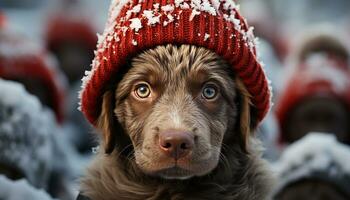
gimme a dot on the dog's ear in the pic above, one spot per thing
(114, 136)
(247, 113)
(106, 122)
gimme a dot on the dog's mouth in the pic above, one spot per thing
(181, 169)
(174, 172)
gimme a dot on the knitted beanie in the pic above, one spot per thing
(2, 20)
(316, 83)
(315, 74)
(63, 29)
(21, 58)
(137, 25)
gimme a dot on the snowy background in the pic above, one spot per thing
(303, 43)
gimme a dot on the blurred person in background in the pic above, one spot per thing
(71, 36)
(314, 168)
(316, 96)
(28, 62)
(20, 189)
(26, 133)
(34, 155)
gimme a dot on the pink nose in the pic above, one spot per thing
(176, 144)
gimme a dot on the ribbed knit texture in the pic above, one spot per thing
(225, 38)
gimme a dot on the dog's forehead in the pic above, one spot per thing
(169, 62)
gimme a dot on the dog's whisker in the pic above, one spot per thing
(124, 149)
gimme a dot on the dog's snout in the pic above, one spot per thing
(176, 144)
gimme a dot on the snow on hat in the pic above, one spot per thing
(134, 26)
(26, 130)
(63, 28)
(21, 58)
(316, 74)
(316, 156)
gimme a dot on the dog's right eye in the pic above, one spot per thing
(143, 91)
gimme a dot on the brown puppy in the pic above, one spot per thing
(177, 126)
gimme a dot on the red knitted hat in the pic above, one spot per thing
(2, 20)
(66, 28)
(322, 78)
(137, 25)
(20, 58)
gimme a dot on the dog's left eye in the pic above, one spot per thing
(143, 91)
(209, 92)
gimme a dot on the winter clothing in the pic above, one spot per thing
(323, 81)
(317, 71)
(2, 20)
(63, 29)
(23, 59)
(19, 190)
(317, 157)
(134, 26)
(71, 36)
(26, 130)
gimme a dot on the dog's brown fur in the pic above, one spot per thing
(223, 128)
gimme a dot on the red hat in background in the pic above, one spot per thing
(2, 20)
(322, 70)
(21, 59)
(66, 28)
(135, 26)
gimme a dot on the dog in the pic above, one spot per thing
(178, 124)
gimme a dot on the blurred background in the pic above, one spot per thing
(46, 45)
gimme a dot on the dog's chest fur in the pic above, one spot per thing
(242, 177)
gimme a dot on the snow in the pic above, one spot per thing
(29, 149)
(206, 36)
(322, 68)
(171, 14)
(194, 13)
(316, 151)
(20, 189)
(135, 24)
(151, 18)
(10, 47)
(168, 8)
(134, 42)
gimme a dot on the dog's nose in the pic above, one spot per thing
(176, 144)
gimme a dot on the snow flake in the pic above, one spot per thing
(230, 5)
(135, 9)
(206, 37)
(152, 19)
(206, 6)
(95, 150)
(178, 2)
(134, 42)
(170, 19)
(135, 24)
(194, 13)
(156, 6)
(168, 8)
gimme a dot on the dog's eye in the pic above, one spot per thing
(209, 92)
(143, 91)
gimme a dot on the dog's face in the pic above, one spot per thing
(176, 104)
